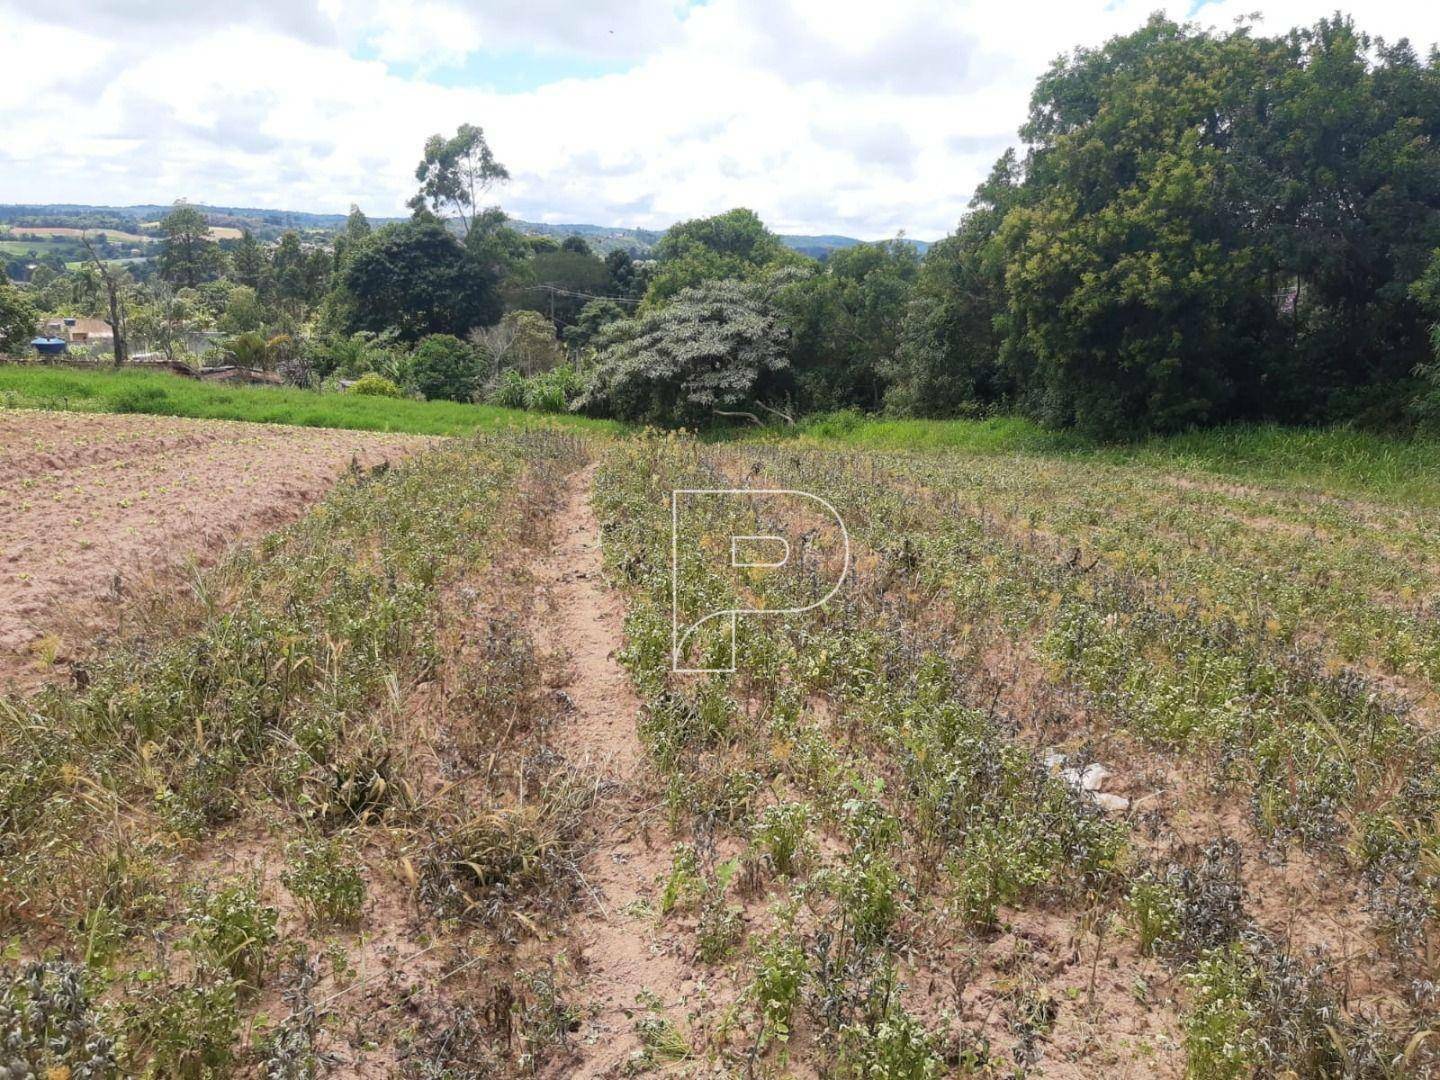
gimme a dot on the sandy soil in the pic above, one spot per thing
(621, 951)
(96, 507)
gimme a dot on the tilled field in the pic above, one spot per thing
(1086, 771)
(93, 507)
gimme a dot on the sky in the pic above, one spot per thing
(823, 116)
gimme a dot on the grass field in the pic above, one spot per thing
(1335, 460)
(45, 231)
(165, 394)
(1103, 762)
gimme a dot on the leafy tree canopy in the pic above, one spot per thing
(455, 173)
(1208, 226)
(18, 321)
(417, 279)
(844, 322)
(735, 244)
(714, 348)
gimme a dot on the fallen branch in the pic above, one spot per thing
(747, 415)
(783, 416)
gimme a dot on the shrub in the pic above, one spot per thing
(372, 385)
(553, 391)
(508, 391)
(443, 366)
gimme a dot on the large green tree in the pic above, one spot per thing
(947, 359)
(188, 256)
(251, 267)
(844, 323)
(1209, 226)
(417, 279)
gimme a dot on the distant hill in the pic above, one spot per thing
(269, 224)
(607, 238)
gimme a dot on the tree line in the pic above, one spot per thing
(1197, 227)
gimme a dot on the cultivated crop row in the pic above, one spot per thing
(307, 810)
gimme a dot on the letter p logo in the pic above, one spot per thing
(724, 543)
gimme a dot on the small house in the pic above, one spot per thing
(80, 331)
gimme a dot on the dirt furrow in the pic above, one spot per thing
(619, 948)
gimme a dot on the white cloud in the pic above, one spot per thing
(822, 115)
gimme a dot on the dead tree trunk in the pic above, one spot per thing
(117, 306)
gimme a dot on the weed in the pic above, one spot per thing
(720, 925)
(1155, 909)
(545, 1021)
(290, 1052)
(781, 969)
(886, 1041)
(49, 1026)
(665, 1042)
(1200, 905)
(684, 886)
(783, 831)
(487, 863)
(233, 930)
(189, 1031)
(321, 875)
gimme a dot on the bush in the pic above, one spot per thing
(443, 366)
(552, 391)
(373, 385)
(509, 391)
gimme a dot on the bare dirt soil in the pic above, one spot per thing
(97, 507)
(621, 952)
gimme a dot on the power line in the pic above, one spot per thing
(583, 295)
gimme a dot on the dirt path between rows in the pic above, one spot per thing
(621, 952)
